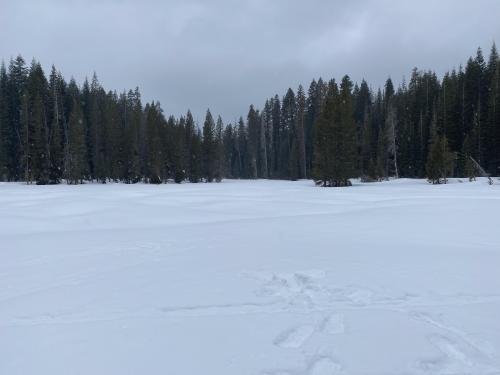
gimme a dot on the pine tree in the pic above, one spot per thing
(97, 132)
(220, 165)
(15, 92)
(115, 131)
(76, 156)
(26, 139)
(345, 136)
(276, 126)
(132, 113)
(56, 120)
(196, 157)
(336, 137)
(209, 148)
(439, 161)
(368, 156)
(177, 149)
(381, 161)
(3, 123)
(380, 136)
(300, 133)
(364, 135)
(253, 138)
(241, 150)
(390, 126)
(324, 163)
(190, 134)
(154, 157)
(492, 128)
(231, 155)
(41, 153)
(265, 131)
(313, 108)
(288, 158)
(36, 127)
(469, 168)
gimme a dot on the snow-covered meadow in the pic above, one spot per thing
(250, 278)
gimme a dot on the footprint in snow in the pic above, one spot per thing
(455, 358)
(333, 324)
(359, 296)
(324, 366)
(295, 337)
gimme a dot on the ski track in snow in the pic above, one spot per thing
(297, 293)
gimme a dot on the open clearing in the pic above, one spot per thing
(249, 278)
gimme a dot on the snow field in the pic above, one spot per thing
(250, 277)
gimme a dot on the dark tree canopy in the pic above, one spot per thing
(53, 131)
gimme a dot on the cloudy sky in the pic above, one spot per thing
(227, 54)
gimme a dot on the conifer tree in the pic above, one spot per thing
(364, 133)
(26, 139)
(368, 157)
(36, 144)
(469, 168)
(177, 150)
(220, 165)
(265, 132)
(209, 148)
(390, 126)
(336, 153)
(196, 157)
(97, 132)
(381, 161)
(253, 138)
(154, 157)
(345, 136)
(312, 112)
(439, 161)
(288, 159)
(377, 116)
(229, 151)
(492, 129)
(56, 120)
(15, 92)
(132, 113)
(76, 155)
(324, 169)
(115, 133)
(241, 150)
(277, 134)
(40, 145)
(3, 124)
(300, 133)
(189, 129)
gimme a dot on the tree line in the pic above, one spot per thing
(53, 131)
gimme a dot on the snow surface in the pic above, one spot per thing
(255, 277)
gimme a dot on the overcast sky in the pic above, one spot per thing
(227, 54)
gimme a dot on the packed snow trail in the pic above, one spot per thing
(250, 277)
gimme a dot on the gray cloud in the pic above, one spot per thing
(227, 54)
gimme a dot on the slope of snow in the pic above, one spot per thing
(249, 278)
